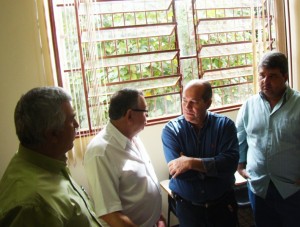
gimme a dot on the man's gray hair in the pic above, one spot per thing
(39, 111)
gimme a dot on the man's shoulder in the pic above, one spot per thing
(25, 187)
(253, 101)
(176, 122)
(27, 206)
(219, 117)
(98, 144)
(295, 94)
(253, 98)
(105, 143)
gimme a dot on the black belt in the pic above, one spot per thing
(207, 204)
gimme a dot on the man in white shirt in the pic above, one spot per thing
(122, 181)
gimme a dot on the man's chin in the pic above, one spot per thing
(189, 117)
(268, 93)
(63, 158)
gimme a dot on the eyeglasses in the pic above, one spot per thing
(140, 110)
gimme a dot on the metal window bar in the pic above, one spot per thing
(225, 40)
(167, 68)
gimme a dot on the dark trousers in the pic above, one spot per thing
(274, 211)
(222, 214)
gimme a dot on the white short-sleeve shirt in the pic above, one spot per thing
(121, 177)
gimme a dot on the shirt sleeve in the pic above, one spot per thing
(242, 134)
(171, 146)
(227, 153)
(103, 184)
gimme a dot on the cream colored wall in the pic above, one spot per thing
(25, 63)
(21, 66)
(295, 47)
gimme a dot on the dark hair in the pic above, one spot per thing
(38, 111)
(207, 94)
(123, 100)
(274, 59)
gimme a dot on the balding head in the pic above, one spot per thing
(203, 85)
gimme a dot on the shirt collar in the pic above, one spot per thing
(41, 160)
(122, 140)
(205, 123)
(285, 97)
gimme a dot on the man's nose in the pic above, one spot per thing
(267, 80)
(188, 105)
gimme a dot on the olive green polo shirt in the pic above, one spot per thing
(36, 190)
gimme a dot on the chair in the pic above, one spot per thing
(241, 195)
(245, 216)
(171, 208)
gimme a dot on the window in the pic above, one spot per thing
(157, 46)
(231, 36)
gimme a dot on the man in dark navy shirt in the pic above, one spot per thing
(201, 149)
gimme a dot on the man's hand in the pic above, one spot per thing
(297, 182)
(242, 170)
(118, 219)
(179, 165)
(161, 222)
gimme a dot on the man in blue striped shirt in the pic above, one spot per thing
(268, 127)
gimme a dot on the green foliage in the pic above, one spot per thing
(129, 19)
(140, 18)
(118, 19)
(124, 72)
(162, 94)
(109, 48)
(205, 63)
(107, 20)
(220, 13)
(113, 74)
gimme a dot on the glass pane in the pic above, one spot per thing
(188, 69)
(186, 33)
(137, 44)
(164, 106)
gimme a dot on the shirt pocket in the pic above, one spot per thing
(288, 130)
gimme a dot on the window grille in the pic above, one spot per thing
(231, 36)
(157, 46)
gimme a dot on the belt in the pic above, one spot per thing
(207, 204)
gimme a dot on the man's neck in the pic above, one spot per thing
(274, 100)
(48, 151)
(198, 126)
(123, 128)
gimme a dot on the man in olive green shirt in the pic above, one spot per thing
(36, 188)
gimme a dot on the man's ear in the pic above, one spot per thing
(209, 102)
(286, 77)
(51, 136)
(128, 114)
